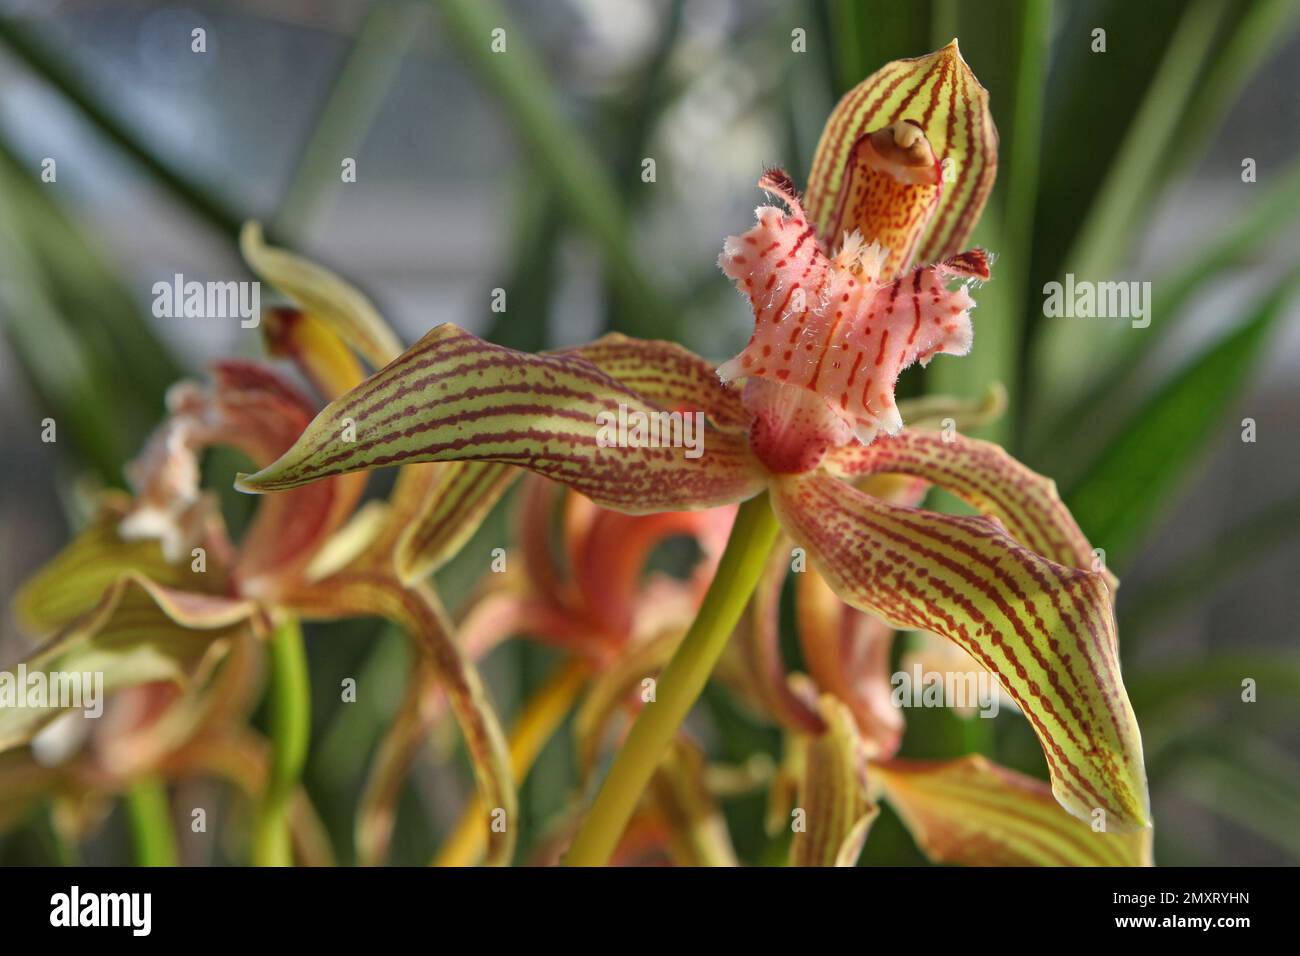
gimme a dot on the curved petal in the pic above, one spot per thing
(75, 579)
(336, 303)
(454, 397)
(939, 95)
(973, 812)
(833, 794)
(462, 494)
(760, 650)
(847, 653)
(609, 566)
(988, 479)
(252, 408)
(418, 611)
(668, 375)
(535, 725)
(139, 632)
(320, 354)
(1045, 630)
(261, 414)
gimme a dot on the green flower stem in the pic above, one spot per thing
(290, 703)
(680, 684)
(149, 813)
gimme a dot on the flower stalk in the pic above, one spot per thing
(149, 812)
(680, 684)
(290, 718)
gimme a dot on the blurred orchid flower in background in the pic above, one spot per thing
(154, 591)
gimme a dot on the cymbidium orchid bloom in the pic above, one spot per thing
(902, 171)
(153, 591)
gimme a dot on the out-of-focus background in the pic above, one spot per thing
(1155, 142)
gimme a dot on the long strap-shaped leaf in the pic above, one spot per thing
(1046, 631)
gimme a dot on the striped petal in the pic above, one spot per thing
(418, 611)
(988, 479)
(75, 579)
(837, 813)
(938, 96)
(461, 495)
(1046, 631)
(972, 812)
(696, 829)
(340, 306)
(138, 633)
(668, 375)
(454, 397)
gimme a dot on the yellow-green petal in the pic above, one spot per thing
(972, 812)
(1046, 631)
(455, 397)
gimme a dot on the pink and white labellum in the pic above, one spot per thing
(833, 332)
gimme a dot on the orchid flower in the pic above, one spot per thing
(902, 172)
(154, 591)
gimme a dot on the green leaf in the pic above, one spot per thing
(95, 364)
(1123, 493)
(1066, 351)
(1082, 430)
(1236, 550)
(1252, 785)
(355, 97)
(590, 197)
(45, 62)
